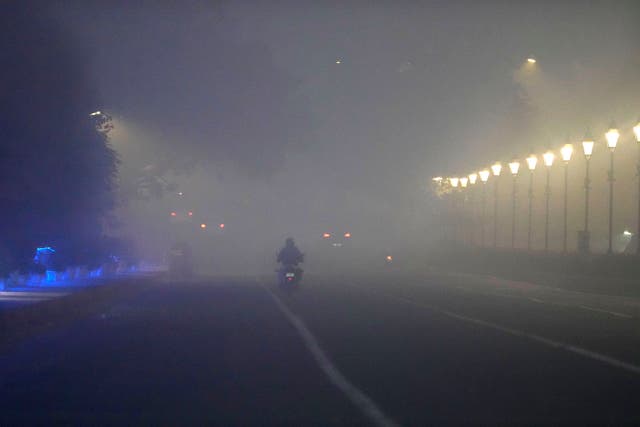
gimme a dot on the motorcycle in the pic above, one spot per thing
(289, 277)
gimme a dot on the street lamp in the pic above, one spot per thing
(464, 182)
(496, 168)
(612, 137)
(484, 177)
(532, 161)
(587, 148)
(548, 159)
(473, 178)
(566, 152)
(455, 182)
(636, 131)
(514, 166)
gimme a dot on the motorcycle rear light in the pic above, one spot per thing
(326, 235)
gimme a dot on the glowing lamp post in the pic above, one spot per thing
(612, 137)
(532, 161)
(548, 159)
(566, 152)
(496, 168)
(464, 183)
(636, 131)
(484, 177)
(514, 167)
(455, 183)
(473, 178)
(584, 237)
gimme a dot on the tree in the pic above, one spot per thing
(56, 170)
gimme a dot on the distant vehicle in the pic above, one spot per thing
(180, 260)
(337, 240)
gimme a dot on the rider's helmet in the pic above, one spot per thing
(289, 241)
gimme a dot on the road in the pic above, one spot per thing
(440, 349)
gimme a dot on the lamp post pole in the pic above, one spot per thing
(532, 161)
(587, 187)
(464, 183)
(513, 211)
(566, 153)
(495, 169)
(566, 207)
(547, 193)
(548, 158)
(495, 213)
(636, 131)
(612, 137)
(484, 212)
(473, 178)
(514, 166)
(587, 148)
(529, 228)
(611, 181)
(484, 176)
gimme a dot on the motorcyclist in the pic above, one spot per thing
(290, 255)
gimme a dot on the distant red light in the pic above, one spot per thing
(221, 226)
(203, 226)
(347, 235)
(174, 214)
(326, 235)
(190, 213)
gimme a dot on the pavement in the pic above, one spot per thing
(439, 349)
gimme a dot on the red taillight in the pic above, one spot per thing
(190, 213)
(173, 214)
(221, 226)
(389, 258)
(326, 235)
(203, 226)
(347, 235)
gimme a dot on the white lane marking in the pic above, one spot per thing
(613, 313)
(357, 397)
(559, 304)
(551, 343)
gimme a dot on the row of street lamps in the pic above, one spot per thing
(566, 152)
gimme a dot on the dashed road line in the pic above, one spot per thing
(559, 304)
(516, 332)
(613, 313)
(355, 395)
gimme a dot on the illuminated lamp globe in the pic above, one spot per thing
(514, 167)
(612, 136)
(566, 152)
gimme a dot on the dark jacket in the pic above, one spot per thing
(290, 255)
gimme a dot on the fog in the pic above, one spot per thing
(302, 118)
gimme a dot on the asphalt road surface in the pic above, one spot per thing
(386, 350)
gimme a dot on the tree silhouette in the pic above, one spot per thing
(56, 170)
